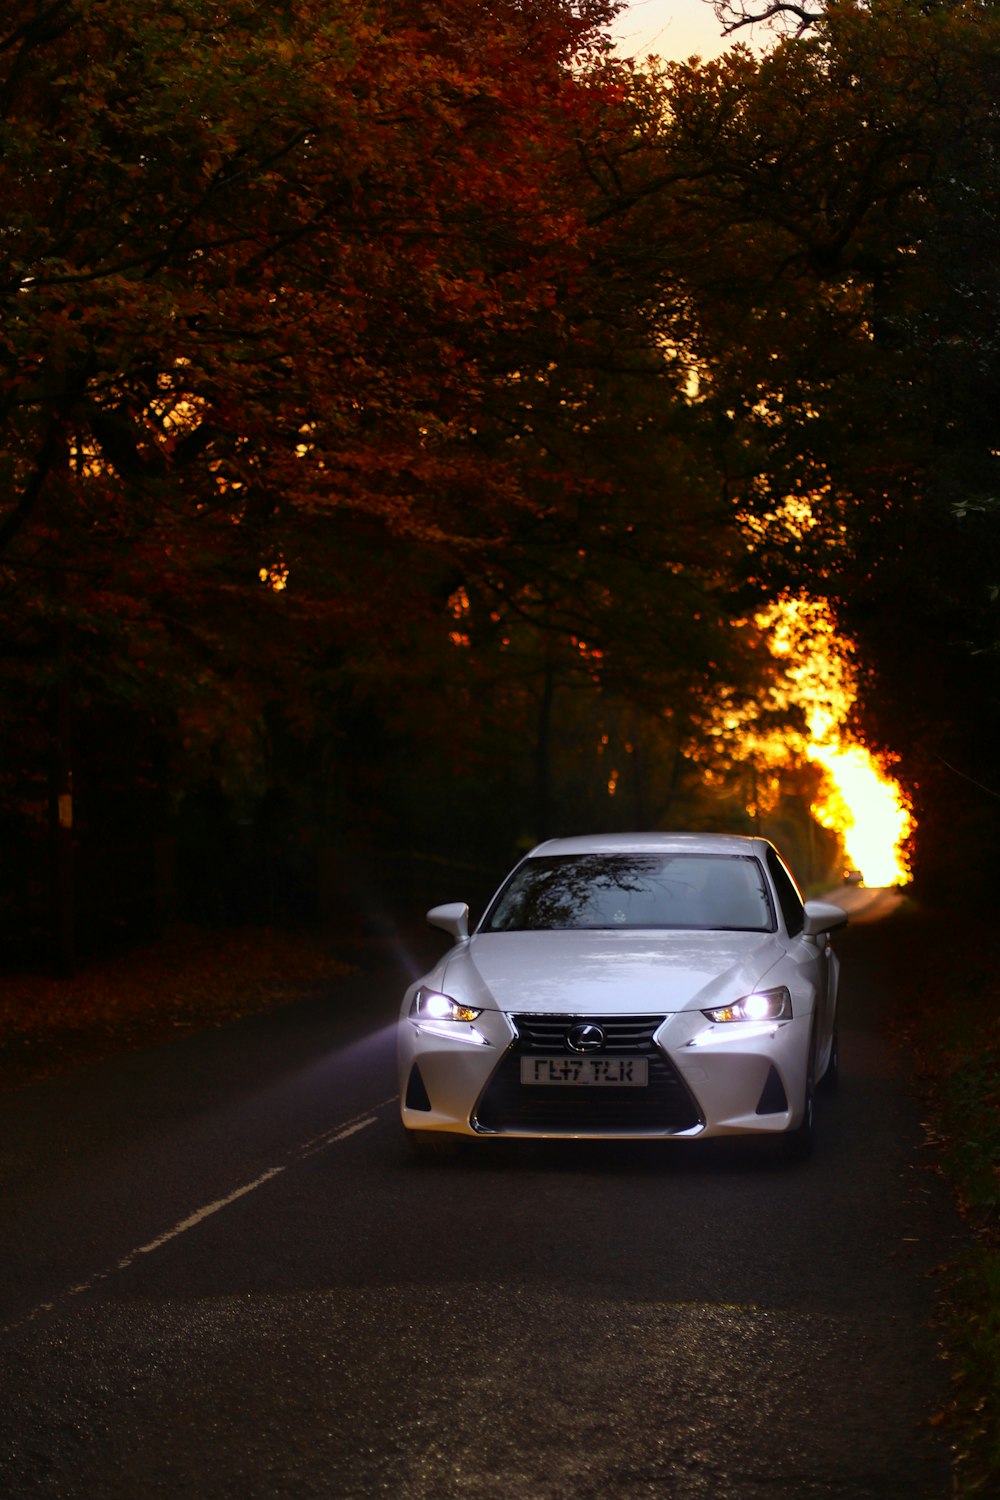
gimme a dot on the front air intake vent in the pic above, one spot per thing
(416, 1091)
(773, 1100)
(663, 1107)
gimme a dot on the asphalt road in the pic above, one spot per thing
(222, 1275)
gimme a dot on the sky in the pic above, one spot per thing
(672, 29)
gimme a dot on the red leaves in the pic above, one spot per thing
(261, 270)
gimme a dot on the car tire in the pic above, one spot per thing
(798, 1143)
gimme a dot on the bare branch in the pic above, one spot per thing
(733, 15)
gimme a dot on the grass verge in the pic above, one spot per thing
(956, 1038)
(185, 981)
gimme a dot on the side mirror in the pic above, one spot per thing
(823, 916)
(452, 919)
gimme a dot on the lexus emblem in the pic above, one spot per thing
(585, 1038)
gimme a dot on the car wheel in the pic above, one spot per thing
(798, 1143)
(831, 1078)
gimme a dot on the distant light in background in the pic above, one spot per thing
(864, 803)
(867, 809)
(275, 576)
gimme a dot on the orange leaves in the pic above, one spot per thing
(271, 275)
(181, 983)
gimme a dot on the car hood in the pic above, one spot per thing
(595, 973)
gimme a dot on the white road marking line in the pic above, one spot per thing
(200, 1214)
(341, 1132)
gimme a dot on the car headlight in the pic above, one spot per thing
(431, 1005)
(762, 1005)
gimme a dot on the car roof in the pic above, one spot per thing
(654, 843)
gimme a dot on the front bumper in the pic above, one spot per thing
(704, 1079)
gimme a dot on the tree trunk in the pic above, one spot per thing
(543, 750)
(62, 904)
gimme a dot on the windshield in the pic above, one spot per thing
(595, 891)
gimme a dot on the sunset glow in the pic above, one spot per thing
(867, 809)
(863, 802)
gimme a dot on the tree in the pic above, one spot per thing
(260, 270)
(844, 331)
(318, 320)
(240, 243)
(736, 15)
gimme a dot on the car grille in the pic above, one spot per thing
(664, 1106)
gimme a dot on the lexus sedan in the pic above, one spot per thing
(627, 986)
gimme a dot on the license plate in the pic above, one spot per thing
(589, 1072)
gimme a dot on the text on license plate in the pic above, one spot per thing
(592, 1072)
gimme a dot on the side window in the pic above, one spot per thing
(788, 897)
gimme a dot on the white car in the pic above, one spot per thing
(668, 986)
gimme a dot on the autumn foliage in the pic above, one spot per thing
(313, 324)
(412, 395)
(263, 266)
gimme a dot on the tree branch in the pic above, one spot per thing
(733, 15)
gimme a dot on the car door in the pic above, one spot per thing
(813, 957)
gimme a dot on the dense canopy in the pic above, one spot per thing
(409, 409)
